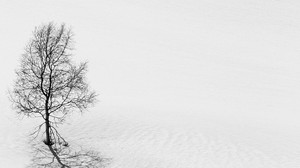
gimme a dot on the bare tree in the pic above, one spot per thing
(49, 85)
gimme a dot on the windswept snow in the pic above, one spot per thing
(182, 84)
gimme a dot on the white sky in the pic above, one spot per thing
(237, 57)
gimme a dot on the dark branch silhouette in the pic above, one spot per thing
(50, 86)
(66, 157)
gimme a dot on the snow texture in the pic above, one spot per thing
(181, 83)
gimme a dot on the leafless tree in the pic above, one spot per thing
(49, 85)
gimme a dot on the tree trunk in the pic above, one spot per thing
(49, 142)
(47, 124)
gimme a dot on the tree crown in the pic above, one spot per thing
(47, 80)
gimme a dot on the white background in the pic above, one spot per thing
(181, 83)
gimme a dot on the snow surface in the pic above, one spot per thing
(181, 83)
